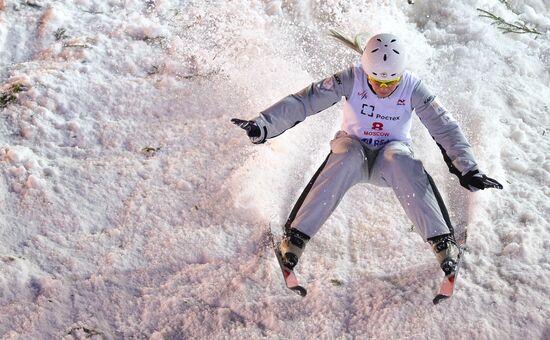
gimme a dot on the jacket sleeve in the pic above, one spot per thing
(456, 150)
(295, 108)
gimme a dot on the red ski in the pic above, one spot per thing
(288, 274)
(447, 286)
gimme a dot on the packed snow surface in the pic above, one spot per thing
(130, 206)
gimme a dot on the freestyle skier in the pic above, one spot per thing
(373, 146)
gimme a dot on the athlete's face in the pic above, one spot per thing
(383, 89)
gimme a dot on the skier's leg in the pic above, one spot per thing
(444, 246)
(420, 199)
(343, 168)
(397, 167)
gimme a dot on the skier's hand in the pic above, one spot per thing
(253, 131)
(475, 180)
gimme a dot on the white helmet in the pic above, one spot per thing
(384, 57)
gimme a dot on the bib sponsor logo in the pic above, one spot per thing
(375, 142)
(379, 116)
(367, 110)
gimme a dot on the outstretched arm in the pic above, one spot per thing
(456, 150)
(295, 108)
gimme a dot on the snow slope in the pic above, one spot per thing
(131, 207)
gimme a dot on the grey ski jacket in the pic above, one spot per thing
(315, 98)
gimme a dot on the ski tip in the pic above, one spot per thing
(299, 290)
(440, 297)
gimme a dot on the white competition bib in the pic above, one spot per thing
(378, 121)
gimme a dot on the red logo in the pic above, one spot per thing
(377, 126)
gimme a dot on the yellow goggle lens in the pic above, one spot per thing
(385, 83)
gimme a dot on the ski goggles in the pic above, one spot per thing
(385, 83)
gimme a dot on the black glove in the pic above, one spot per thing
(475, 180)
(252, 129)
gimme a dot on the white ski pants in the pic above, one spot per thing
(349, 163)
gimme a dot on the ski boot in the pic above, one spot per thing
(292, 246)
(446, 251)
